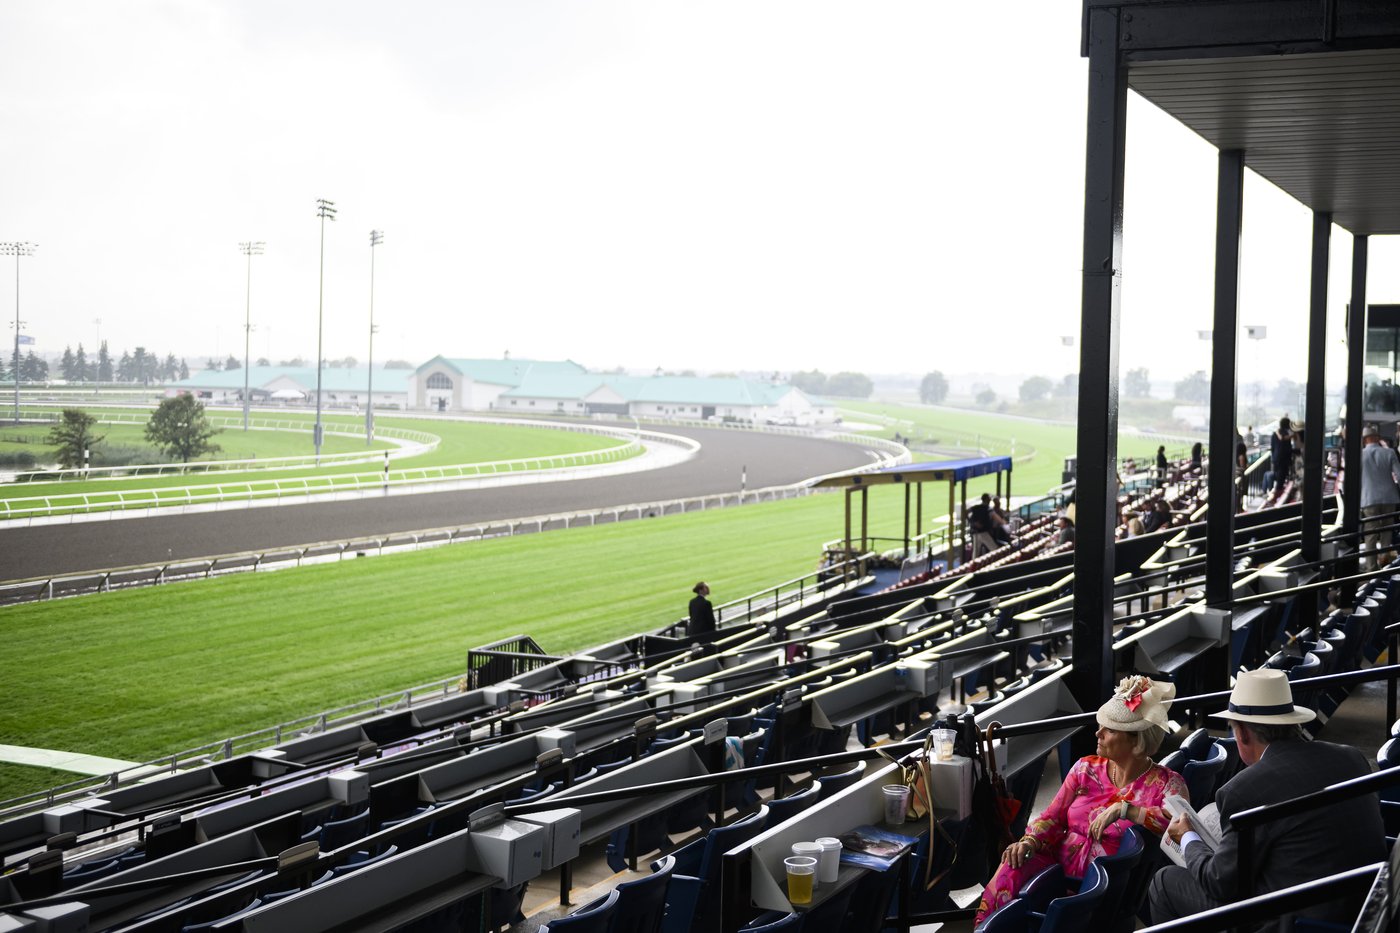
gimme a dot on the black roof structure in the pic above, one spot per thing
(1306, 93)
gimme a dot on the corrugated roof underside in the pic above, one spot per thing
(1325, 128)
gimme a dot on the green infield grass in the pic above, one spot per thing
(462, 443)
(1051, 443)
(141, 673)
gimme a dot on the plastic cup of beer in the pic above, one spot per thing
(801, 873)
(896, 803)
(943, 744)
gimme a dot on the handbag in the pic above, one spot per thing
(918, 777)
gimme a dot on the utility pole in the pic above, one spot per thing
(375, 238)
(325, 210)
(17, 249)
(250, 249)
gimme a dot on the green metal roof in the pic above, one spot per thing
(338, 379)
(687, 390)
(506, 372)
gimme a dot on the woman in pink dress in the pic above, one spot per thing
(1103, 795)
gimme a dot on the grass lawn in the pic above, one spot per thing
(1052, 443)
(142, 673)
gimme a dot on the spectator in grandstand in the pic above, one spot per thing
(1157, 517)
(1001, 521)
(1241, 467)
(1198, 453)
(1162, 464)
(1280, 764)
(1132, 524)
(979, 522)
(1103, 795)
(1066, 535)
(1380, 495)
(702, 614)
(1250, 438)
(1129, 466)
(1280, 455)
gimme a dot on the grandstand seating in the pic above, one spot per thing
(388, 816)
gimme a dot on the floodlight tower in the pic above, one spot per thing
(326, 211)
(250, 249)
(17, 249)
(376, 237)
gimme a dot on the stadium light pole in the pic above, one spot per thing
(376, 237)
(325, 210)
(1256, 333)
(250, 249)
(17, 249)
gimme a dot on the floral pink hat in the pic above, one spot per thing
(1138, 704)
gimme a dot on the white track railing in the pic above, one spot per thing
(22, 507)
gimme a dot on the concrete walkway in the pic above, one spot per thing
(62, 761)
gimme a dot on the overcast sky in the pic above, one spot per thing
(887, 187)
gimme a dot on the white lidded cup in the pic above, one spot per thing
(809, 850)
(829, 865)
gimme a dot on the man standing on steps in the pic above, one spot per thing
(702, 614)
(1380, 495)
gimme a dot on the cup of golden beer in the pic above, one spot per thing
(801, 872)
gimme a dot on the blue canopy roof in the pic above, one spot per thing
(938, 471)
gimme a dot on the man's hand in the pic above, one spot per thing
(1178, 827)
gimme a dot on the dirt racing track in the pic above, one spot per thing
(724, 457)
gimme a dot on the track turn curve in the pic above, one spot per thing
(769, 459)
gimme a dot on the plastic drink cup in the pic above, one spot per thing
(943, 744)
(801, 873)
(829, 865)
(896, 803)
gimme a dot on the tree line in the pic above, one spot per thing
(140, 365)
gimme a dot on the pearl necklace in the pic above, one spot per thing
(1113, 774)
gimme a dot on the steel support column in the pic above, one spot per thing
(1220, 481)
(1356, 353)
(1314, 418)
(1091, 680)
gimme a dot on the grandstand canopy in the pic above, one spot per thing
(955, 471)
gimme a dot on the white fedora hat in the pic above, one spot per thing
(1264, 696)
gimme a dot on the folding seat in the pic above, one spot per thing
(1203, 777)
(692, 901)
(592, 918)
(641, 904)
(783, 809)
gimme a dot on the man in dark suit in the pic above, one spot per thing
(1281, 764)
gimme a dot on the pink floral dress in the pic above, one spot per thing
(1062, 831)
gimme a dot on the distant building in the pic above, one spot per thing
(544, 387)
(296, 385)
(722, 398)
(444, 384)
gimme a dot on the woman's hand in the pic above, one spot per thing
(1016, 854)
(1115, 811)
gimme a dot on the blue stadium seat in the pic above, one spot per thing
(336, 834)
(690, 903)
(1010, 917)
(1197, 744)
(784, 809)
(833, 784)
(641, 904)
(1074, 913)
(592, 918)
(787, 923)
(1202, 777)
